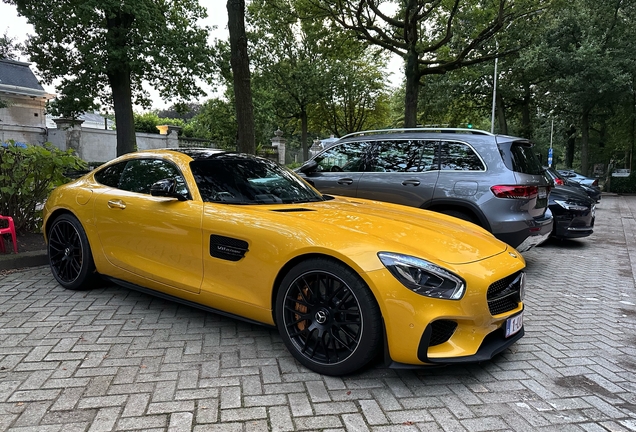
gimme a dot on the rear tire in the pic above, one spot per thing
(328, 317)
(70, 254)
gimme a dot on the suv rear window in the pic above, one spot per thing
(521, 158)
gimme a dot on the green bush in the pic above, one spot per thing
(27, 176)
(623, 184)
(148, 122)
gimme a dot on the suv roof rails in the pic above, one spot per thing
(421, 129)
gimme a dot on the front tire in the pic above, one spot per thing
(328, 317)
(70, 254)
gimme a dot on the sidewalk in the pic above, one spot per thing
(31, 253)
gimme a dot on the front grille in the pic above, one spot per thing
(441, 331)
(505, 294)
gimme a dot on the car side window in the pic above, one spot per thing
(111, 175)
(140, 174)
(347, 157)
(404, 156)
(458, 156)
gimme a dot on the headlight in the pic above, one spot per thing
(571, 206)
(423, 277)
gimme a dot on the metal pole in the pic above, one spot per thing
(494, 97)
(551, 132)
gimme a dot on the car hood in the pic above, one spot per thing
(396, 228)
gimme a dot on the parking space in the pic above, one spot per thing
(114, 359)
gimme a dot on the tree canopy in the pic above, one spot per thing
(102, 51)
(432, 37)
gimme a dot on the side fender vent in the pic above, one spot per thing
(227, 248)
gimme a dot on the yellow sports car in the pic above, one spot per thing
(343, 280)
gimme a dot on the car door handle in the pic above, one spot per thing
(345, 181)
(116, 204)
(411, 182)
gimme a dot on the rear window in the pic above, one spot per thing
(521, 158)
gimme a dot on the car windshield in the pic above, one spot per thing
(235, 179)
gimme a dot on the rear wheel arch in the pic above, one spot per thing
(69, 252)
(473, 213)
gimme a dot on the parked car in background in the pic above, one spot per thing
(621, 172)
(573, 211)
(491, 180)
(343, 280)
(579, 178)
(558, 179)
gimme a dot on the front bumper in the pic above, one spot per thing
(473, 332)
(533, 234)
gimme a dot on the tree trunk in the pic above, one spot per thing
(303, 134)
(412, 73)
(569, 148)
(118, 72)
(585, 142)
(241, 72)
(122, 102)
(501, 114)
(526, 123)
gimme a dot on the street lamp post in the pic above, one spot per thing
(494, 96)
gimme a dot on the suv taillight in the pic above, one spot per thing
(559, 181)
(523, 192)
(595, 183)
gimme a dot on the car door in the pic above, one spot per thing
(461, 175)
(340, 168)
(156, 238)
(402, 171)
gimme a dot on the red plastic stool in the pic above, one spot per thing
(9, 230)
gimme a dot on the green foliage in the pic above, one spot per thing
(9, 48)
(623, 184)
(27, 176)
(148, 122)
(314, 78)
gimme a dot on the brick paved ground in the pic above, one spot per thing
(113, 359)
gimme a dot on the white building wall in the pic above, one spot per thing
(23, 111)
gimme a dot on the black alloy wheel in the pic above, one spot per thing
(69, 253)
(328, 318)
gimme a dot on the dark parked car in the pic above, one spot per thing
(579, 178)
(558, 179)
(573, 211)
(494, 181)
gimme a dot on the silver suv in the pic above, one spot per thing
(494, 181)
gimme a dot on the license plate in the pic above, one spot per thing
(543, 193)
(514, 324)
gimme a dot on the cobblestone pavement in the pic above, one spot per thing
(113, 359)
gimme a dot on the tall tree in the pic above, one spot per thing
(10, 49)
(432, 36)
(242, 79)
(103, 50)
(313, 68)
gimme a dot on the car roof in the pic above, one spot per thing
(472, 135)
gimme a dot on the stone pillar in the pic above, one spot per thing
(172, 135)
(315, 148)
(71, 137)
(279, 143)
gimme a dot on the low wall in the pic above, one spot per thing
(99, 145)
(23, 134)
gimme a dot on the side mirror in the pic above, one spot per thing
(166, 188)
(308, 167)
